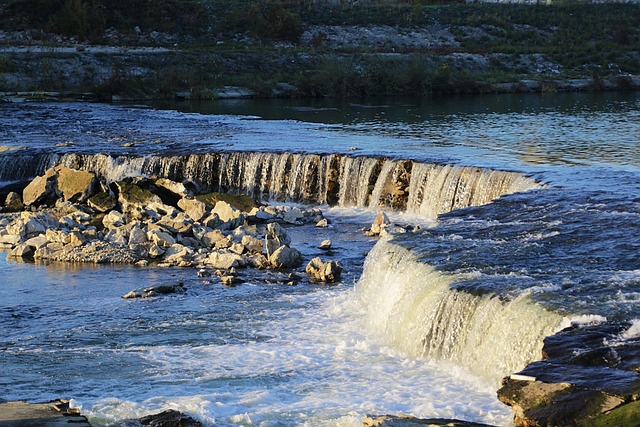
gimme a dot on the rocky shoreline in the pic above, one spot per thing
(69, 215)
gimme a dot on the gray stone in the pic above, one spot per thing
(38, 241)
(156, 251)
(177, 188)
(21, 251)
(39, 190)
(75, 185)
(194, 208)
(379, 223)
(227, 213)
(161, 238)
(285, 257)
(325, 244)
(323, 223)
(114, 219)
(137, 236)
(225, 260)
(13, 202)
(253, 244)
(329, 271)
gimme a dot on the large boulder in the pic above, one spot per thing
(169, 418)
(102, 202)
(409, 421)
(75, 185)
(72, 185)
(194, 208)
(226, 260)
(40, 190)
(285, 257)
(275, 238)
(329, 271)
(131, 196)
(228, 214)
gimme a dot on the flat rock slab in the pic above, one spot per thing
(50, 414)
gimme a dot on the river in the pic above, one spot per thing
(394, 336)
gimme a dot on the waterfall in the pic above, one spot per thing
(412, 307)
(366, 182)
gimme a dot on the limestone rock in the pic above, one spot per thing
(379, 223)
(275, 238)
(137, 236)
(323, 223)
(252, 244)
(194, 208)
(13, 202)
(21, 251)
(38, 241)
(40, 190)
(177, 188)
(225, 260)
(408, 421)
(325, 244)
(75, 185)
(113, 220)
(156, 251)
(285, 257)
(102, 202)
(160, 238)
(228, 214)
(329, 271)
(131, 196)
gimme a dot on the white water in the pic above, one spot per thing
(412, 307)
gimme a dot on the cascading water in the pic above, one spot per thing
(413, 307)
(366, 182)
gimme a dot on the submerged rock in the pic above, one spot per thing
(169, 418)
(408, 421)
(153, 291)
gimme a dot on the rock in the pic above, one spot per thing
(194, 208)
(275, 238)
(38, 241)
(536, 403)
(131, 196)
(113, 220)
(229, 280)
(156, 251)
(76, 239)
(225, 260)
(237, 248)
(137, 236)
(40, 190)
(21, 251)
(75, 185)
(169, 418)
(325, 244)
(102, 202)
(204, 273)
(263, 216)
(379, 223)
(177, 188)
(50, 414)
(57, 236)
(285, 257)
(13, 202)
(178, 254)
(329, 271)
(293, 216)
(409, 421)
(253, 244)
(153, 291)
(160, 238)
(229, 214)
(323, 223)
(211, 238)
(392, 229)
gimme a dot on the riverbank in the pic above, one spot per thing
(354, 51)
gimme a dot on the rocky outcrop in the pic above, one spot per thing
(60, 182)
(152, 291)
(408, 421)
(329, 271)
(135, 225)
(168, 418)
(589, 377)
(48, 414)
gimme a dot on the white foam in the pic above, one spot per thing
(633, 331)
(585, 319)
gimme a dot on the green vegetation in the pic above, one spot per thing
(625, 415)
(258, 44)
